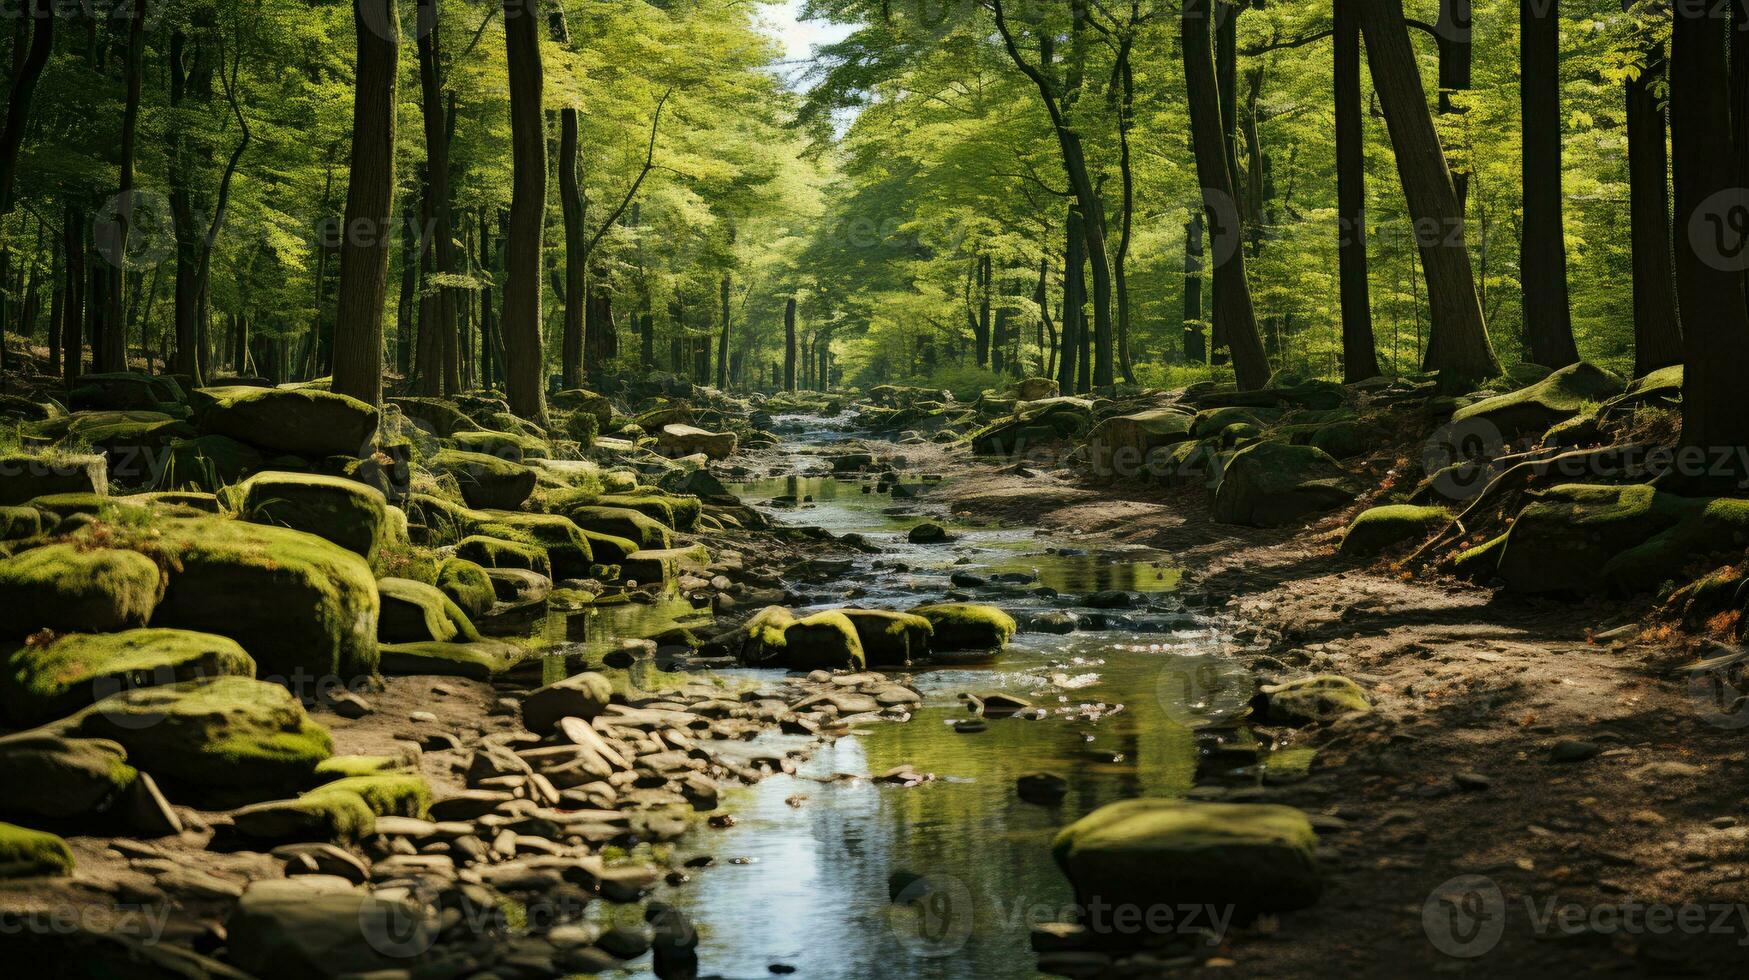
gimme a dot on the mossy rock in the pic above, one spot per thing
(1382, 528)
(342, 766)
(333, 815)
(503, 421)
(126, 390)
(1564, 541)
(585, 402)
(680, 512)
(486, 552)
(1211, 421)
(62, 779)
(25, 477)
(622, 522)
(570, 549)
(511, 446)
(299, 604)
(1660, 389)
(17, 523)
(466, 585)
(1480, 563)
(132, 441)
(1123, 445)
(1247, 859)
(413, 612)
(1034, 423)
(1313, 700)
(221, 735)
(1718, 526)
(435, 416)
(211, 463)
(44, 681)
(960, 626)
(302, 421)
(388, 794)
(647, 567)
(685, 440)
(824, 641)
(477, 660)
(184, 502)
(26, 853)
(1561, 395)
(486, 481)
(65, 587)
(1271, 484)
(350, 514)
(445, 521)
(890, 639)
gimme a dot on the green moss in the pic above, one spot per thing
(567, 545)
(486, 481)
(621, 522)
(467, 585)
(334, 815)
(963, 626)
(393, 794)
(413, 612)
(678, 511)
(303, 421)
(26, 853)
(1382, 528)
(478, 660)
(56, 678)
(17, 523)
(1561, 395)
(1706, 527)
(1271, 484)
(1564, 540)
(825, 640)
(890, 639)
(27, 476)
(348, 513)
(223, 733)
(662, 565)
(488, 552)
(66, 587)
(1481, 563)
(210, 463)
(1213, 421)
(1310, 700)
(342, 766)
(512, 446)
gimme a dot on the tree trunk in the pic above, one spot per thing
(522, 293)
(73, 327)
(409, 296)
(1709, 257)
(1074, 314)
(723, 342)
(1456, 51)
(1127, 210)
(1233, 308)
(981, 322)
(187, 286)
(23, 89)
(1047, 352)
(1195, 346)
(789, 345)
(1657, 325)
(1548, 324)
(1460, 349)
(1359, 358)
(370, 195)
(438, 209)
(111, 353)
(571, 200)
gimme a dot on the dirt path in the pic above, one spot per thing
(1632, 858)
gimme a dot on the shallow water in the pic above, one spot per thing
(817, 851)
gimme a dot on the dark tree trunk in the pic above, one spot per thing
(438, 207)
(73, 327)
(1195, 346)
(1548, 324)
(409, 295)
(188, 232)
(1359, 358)
(571, 201)
(1456, 51)
(370, 195)
(22, 91)
(1127, 210)
(1074, 314)
(1657, 325)
(1047, 354)
(111, 353)
(1233, 308)
(1709, 277)
(522, 293)
(1459, 350)
(723, 342)
(981, 322)
(57, 308)
(789, 345)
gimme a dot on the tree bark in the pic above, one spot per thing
(1657, 325)
(111, 352)
(1459, 349)
(723, 342)
(1233, 307)
(1456, 51)
(1127, 209)
(437, 189)
(1710, 246)
(1548, 324)
(523, 381)
(22, 91)
(981, 322)
(789, 345)
(187, 286)
(571, 200)
(73, 327)
(1195, 341)
(1074, 314)
(370, 195)
(1359, 356)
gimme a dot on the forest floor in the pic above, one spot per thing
(1630, 854)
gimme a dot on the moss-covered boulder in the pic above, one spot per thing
(65, 587)
(824, 641)
(435, 416)
(1707, 527)
(569, 547)
(303, 422)
(585, 402)
(348, 513)
(299, 604)
(486, 481)
(1535, 408)
(20, 522)
(1035, 423)
(388, 794)
(1214, 420)
(223, 734)
(486, 552)
(210, 463)
(1244, 858)
(512, 446)
(582, 696)
(26, 853)
(890, 639)
(960, 626)
(1562, 541)
(336, 815)
(678, 511)
(650, 566)
(1271, 484)
(25, 477)
(475, 659)
(46, 680)
(1382, 528)
(113, 390)
(48, 776)
(466, 585)
(621, 522)
(1120, 446)
(413, 612)
(685, 440)
(1312, 700)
